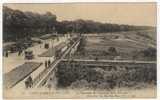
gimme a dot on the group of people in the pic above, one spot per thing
(6, 53)
(47, 63)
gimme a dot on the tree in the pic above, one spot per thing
(19, 25)
(112, 51)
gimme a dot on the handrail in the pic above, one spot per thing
(40, 79)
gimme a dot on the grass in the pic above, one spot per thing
(127, 45)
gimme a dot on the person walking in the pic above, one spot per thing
(19, 52)
(6, 53)
(45, 64)
(49, 62)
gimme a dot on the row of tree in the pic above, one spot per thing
(89, 26)
(18, 24)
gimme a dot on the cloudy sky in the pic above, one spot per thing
(120, 13)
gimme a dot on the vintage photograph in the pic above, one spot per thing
(79, 50)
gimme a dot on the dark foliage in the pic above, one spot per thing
(112, 51)
(71, 75)
(19, 25)
(150, 52)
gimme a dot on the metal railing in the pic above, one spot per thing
(43, 76)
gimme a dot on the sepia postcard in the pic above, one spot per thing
(79, 50)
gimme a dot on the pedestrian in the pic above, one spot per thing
(45, 64)
(26, 84)
(6, 53)
(49, 62)
(30, 81)
(19, 52)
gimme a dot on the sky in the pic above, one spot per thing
(119, 13)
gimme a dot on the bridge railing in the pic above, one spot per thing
(41, 74)
(40, 80)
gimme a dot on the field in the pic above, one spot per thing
(127, 45)
(124, 46)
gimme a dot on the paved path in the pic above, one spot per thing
(19, 73)
(37, 49)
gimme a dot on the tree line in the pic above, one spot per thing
(19, 25)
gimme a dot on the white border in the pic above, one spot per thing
(158, 52)
(74, 1)
(1, 52)
(68, 1)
